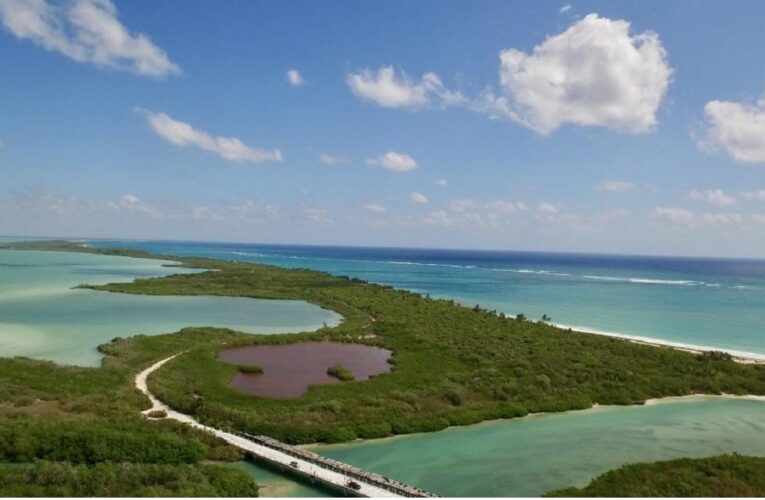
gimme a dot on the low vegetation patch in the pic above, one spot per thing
(720, 476)
(341, 373)
(250, 369)
(62, 479)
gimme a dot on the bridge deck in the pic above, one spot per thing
(347, 478)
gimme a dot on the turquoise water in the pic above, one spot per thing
(272, 483)
(41, 316)
(533, 455)
(717, 303)
(703, 302)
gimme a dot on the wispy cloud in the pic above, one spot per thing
(375, 208)
(441, 182)
(675, 215)
(715, 197)
(230, 148)
(398, 162)
(385, 88)
(756, 195)
(329, 159)
(615, 186)
(295, 78)
(86, 31)
(418, 198)
(318, 215)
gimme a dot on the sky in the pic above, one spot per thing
(616, 127)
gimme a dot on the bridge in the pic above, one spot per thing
(334, 474)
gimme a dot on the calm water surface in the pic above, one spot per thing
(533, 455)
(41, 316)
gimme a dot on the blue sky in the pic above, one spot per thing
(634, 127)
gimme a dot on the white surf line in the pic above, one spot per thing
(739, 356)
(295, 464)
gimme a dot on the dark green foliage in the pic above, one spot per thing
(250, 369)
(720, 476)
(60, 479)
(452, 365)
(341, 373)
(717, 356)
(91, 441)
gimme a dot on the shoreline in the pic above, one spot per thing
(738, 356)
(317, 447)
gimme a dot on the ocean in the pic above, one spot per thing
(708, 303)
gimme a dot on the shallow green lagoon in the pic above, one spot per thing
(273, 483)
(530, 456)
(41, 316)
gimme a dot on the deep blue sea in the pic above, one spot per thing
(716, 303)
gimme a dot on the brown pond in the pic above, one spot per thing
(289, 369)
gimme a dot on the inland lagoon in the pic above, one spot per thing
(288, 370)
(539, 453)
(42, 316)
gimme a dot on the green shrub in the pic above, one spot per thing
(341, 373)
(250, 369)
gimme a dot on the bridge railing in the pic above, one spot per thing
(339, 467)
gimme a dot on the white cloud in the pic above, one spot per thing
(418, 198)
(595, 74)
(319, 215)
(87, 31)
(398, 162)
(441, 182)
(438, 218)
(506, 207)
(757, 195)
(206, 214)
(375, 208)
(758, 218)
(615, 186)
(564, 9)
(389, 90)
(545, 208)
(132, 203)
(715, 197)
(295, 78)
(328, 159)
(230, 148)
(675, 215)
(722, 218)
(737, 128)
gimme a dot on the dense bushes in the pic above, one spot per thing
(721, 476)
(56, 479)
(93, 441)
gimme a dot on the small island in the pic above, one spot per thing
(341, 373)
